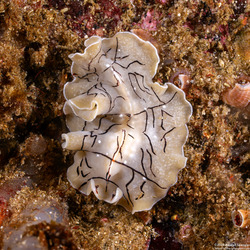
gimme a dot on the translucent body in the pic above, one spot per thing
(127, 130)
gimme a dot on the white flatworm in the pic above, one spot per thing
(128, 131)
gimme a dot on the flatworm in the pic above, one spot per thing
(128, 131)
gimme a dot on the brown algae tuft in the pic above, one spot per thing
(127, 130)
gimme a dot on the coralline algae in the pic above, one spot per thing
(127, 130)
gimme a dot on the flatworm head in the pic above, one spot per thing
(128, 131)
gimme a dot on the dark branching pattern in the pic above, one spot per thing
(128, 131)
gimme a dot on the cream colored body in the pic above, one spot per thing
(128, 131)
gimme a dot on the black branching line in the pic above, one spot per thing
(84, 126)
(172, 98)
(101, 88)
(88, 74)
(108, 175)
(100, 122)
(126, 67)
(95, 136)
(115, 60)
(87, 164)
(77, 170)
(122, 57)
(83, 184)
(151, 163)
(88, 91)
(133, 88)
(81, 162)
(165, 145)
(84, 175)
(131, 136)
(146, 122)
(142, 164)
(101, 94)
(109, 96)
(140, 112)
(129, 167)
(146, 118)
(83, 139)
(103, 117)
(165, 103)
(141, 187)
(111, 126)
(119, 96)
(117, 72)
(150, 142)
(101, 178)
(93, 59)
(94, 94)
(153, 115)
(142, 76)
(117, 149)
(170, 130)
(132, 178)
(157, 96)
(107, 68)
(104, 54)
(165, 141)
(137, 82)
(116, 49)
(143, 193)
(162, 117)
(123, 141)
(88, 69)
(81, 77)
(106, 188)
(130, 126)
(153, 107)
(163, 111)
(117, 80)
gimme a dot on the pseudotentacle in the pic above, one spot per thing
(127, 130)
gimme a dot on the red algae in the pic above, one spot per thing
(147, 36)
(8, 190)
(150, 21)
(97, 19)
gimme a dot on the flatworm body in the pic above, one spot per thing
(127, 130)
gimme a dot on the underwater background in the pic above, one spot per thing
(204, 48)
